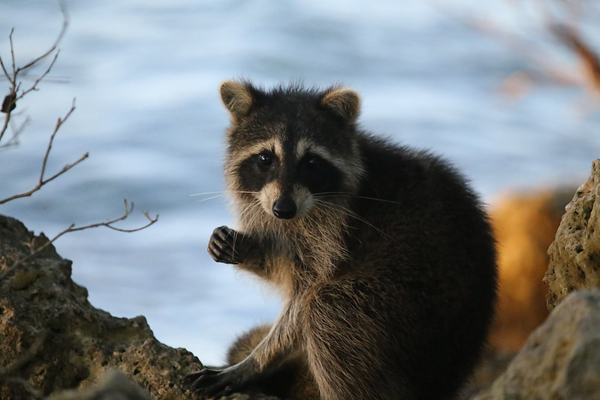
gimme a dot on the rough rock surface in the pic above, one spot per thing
(52, 338)
(561, 359)
(114, 385)
(575, 252)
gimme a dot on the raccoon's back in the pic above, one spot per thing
(422, 238)
(412, 203)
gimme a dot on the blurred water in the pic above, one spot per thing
(145, 74)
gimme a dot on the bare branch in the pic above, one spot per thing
(12, 56)
(127, 213)
(36, 249)
(33, 62)
(8, 76)
(7, 118)
(16, 133)
(588, 59)
(7, 106)
(42, 179)
(10, 100)
(40, 78)
(41, 183)
(59, 123)
(562, 24)
(521, 46)
(13, 76)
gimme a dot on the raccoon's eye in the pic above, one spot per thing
(265, 159)
(312, 161)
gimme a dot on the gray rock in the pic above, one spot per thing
(114, 385)
(561, 359)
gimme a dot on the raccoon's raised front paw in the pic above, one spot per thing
(213, 383)
(226, 246)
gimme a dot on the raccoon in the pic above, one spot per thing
(383, 255)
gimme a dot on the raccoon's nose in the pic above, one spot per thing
(284, 208)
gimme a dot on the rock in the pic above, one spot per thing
(575, 253)
(114, 385)
(524, 225)
(490, 367)
(47, 318)
(52, 338)
(561, 359)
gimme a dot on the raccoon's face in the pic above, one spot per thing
(287, 176)
(291, 149)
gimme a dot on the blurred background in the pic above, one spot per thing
(507, 90)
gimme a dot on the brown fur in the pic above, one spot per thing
(343, 101)
(296, 379)
(236, 98)
(383, 256)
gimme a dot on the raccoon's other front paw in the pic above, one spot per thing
(213, 383)
(226, 246)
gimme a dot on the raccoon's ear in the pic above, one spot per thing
(344, 102)
(236, 97)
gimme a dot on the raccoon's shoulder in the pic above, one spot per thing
(393, 171)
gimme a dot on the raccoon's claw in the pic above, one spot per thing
(225, 246)
(211, 383)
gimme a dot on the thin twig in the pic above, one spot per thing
(72, 228)
(16, 72)
(16, 133)
(589, 60)
(6, 121)
(65, 25)
(568, 34)
(8, 76)
(40, 78)
(523, 47)
(42, 179)
(12, 56)
(59, 123)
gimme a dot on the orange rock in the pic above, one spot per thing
(525, 225)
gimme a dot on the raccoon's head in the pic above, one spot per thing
(290, 149)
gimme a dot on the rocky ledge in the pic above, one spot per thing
(52, 338)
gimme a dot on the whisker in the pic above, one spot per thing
(244, 212)
(217, 194)
(333, 194)
(203, 193)
(351, 214)
(252, 209)
(210, 198)
(223, 192)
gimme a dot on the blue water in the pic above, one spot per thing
(145, 75)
